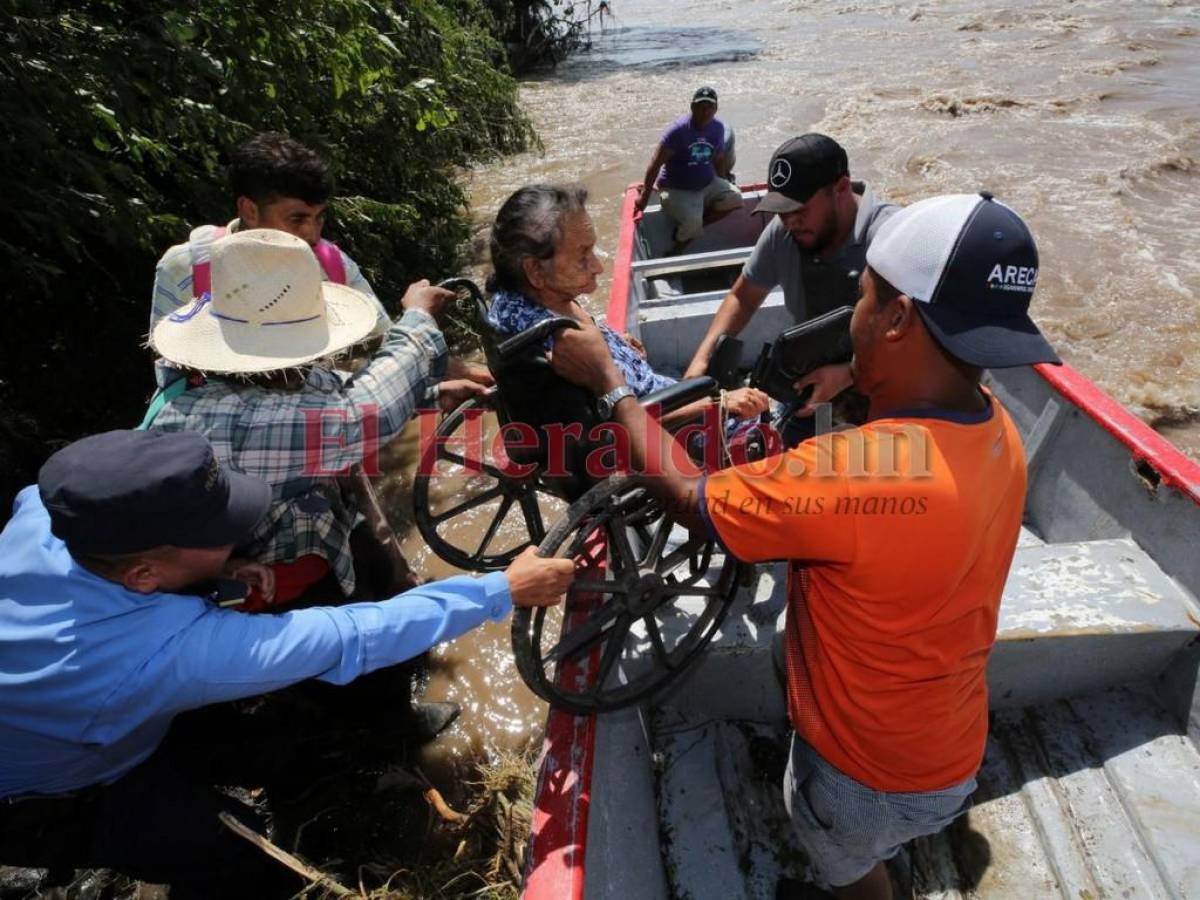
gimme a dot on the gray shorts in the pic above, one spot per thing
(847, 827)
(687, 208)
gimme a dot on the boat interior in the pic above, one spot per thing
(1091, 783)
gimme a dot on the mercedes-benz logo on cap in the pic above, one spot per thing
(781, 173)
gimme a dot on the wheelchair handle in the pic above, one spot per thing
(470, 287)
(463, 284)
(534, 335)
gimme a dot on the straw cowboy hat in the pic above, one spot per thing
(268, 309)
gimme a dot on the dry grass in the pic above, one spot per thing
(480, 856)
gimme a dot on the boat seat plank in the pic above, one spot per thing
(675, 329)
(690, 262)
(1108, 586)
(1067, 605)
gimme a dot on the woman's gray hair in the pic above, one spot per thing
(530, 224)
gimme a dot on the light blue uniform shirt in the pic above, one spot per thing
(92, 674)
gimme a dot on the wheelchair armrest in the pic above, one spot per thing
(681, 393)
(725, 360)
(533, 336)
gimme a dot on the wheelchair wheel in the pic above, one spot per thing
(470, 513)
(632, 625)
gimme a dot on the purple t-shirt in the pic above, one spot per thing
(693, 150)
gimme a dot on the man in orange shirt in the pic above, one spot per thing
(898, 534)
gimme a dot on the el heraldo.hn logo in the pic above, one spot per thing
(1012, 278)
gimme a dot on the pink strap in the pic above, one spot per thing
(330, 258)
(328, 255)
(202, 271)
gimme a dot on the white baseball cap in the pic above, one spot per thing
(971, 265)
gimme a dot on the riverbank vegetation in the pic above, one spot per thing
(540, 34)
(119, 116)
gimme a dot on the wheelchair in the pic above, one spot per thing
(655, 600)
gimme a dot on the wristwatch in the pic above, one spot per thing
(606, 404)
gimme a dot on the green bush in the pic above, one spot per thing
(119, 116)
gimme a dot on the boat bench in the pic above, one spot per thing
(1075, 618)
(1081, 616)
(675, 336)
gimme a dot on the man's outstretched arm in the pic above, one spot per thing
(661, 155)
(658, 461)
(734, 314)
(224, 655)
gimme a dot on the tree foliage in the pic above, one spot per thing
(541, 33)
(119, 115)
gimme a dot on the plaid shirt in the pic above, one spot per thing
(173, 277)
(295, 440)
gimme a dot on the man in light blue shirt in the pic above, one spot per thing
(113, 570)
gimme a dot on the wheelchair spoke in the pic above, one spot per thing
(685, 553)
(471, 465)
(597, 587)
(692, 590)
(656, 641)
(613, 646)
(478, 500)
(501, 513)
(584, 636)
(658, 544)
(619, 543)
(533, 516)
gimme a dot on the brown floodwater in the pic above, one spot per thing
(1083, 116)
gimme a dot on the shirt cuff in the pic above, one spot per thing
(420, 327)
(497, 596)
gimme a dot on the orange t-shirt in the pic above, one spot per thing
(899, 535)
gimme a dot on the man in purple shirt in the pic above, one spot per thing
(689, 169)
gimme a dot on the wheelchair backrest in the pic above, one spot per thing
(531, 393)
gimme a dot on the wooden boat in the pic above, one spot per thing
(1091, 783)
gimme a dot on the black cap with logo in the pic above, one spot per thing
(128, 491)
(799, 168)
(704, 95)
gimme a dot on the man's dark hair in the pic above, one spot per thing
(272, 166)
(530, 224)
(885, 292)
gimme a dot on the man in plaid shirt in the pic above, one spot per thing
(314, 423)
(248, 349)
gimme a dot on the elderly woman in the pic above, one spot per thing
(544, 257)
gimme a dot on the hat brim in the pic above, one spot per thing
(698, 100)
(774, 202)
(209, 343)
(998, 344)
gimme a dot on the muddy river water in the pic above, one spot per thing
(1084, 116)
